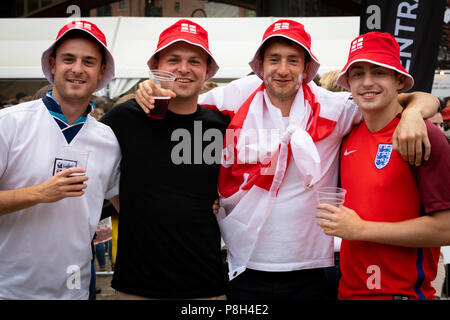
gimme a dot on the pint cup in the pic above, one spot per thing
(331, 195)
(165, 80)
(70, 157)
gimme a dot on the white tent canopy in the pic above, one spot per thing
(132, 40)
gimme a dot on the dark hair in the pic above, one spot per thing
(283, 41)
(77, 34)
(20, 95)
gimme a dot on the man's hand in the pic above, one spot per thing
(410, 135)
(216, 206)
(146, 92)
(62, 185)
(411, 132)
(340, 222)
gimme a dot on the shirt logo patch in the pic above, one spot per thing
(346, 152)
(383, 155)
(63, 164)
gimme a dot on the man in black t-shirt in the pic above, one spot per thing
(169, 239)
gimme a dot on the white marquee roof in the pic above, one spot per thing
(132, 40)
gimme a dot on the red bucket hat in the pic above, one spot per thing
(293, 31)
(379, 48)
(96, 34)
(187, 31)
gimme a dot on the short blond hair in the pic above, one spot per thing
(328, 81)
(124, 98)
(208, 85)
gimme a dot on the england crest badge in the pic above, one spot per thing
(383, 155)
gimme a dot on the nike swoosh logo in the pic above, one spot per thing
(346, 153)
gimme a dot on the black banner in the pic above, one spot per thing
(417, 26)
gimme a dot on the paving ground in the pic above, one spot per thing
(107, 293)
(103, 281)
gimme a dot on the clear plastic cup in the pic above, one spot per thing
(165, 80)
(331, 195)
(72, 158)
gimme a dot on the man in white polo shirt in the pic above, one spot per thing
(50, 202)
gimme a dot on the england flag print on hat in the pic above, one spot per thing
(96, 34)
(379, 48)
(294, 31)
(187, 31)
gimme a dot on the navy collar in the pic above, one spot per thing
(69, 131)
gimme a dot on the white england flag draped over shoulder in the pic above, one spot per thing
(257, 151)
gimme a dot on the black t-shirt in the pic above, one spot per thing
(169, 239)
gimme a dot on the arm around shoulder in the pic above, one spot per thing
(230, 97)
(410, 138)
(425, 103)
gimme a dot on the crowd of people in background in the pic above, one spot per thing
(327, 80)
(102, 103)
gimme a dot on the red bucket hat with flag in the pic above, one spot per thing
(379, 48)
(294, 31)
(96, 34)
(187, 31)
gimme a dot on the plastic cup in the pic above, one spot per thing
(165, 80)
(331, 195)
(72, 158)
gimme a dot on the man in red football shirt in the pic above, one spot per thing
(395, 216)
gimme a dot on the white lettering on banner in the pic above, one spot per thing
(409, 8)
(405, 11)
(374, 21)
